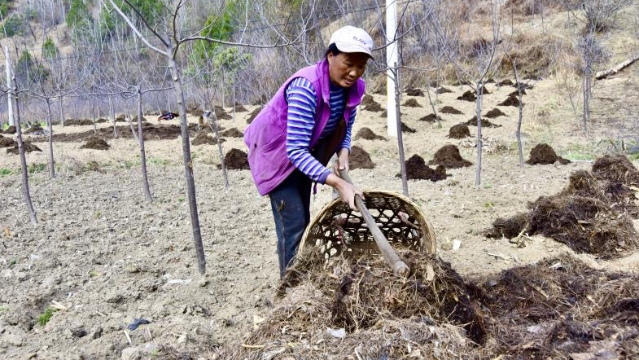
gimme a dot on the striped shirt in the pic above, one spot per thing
(302, 107)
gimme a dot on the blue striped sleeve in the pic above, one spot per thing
(302, 107)
(349, 130)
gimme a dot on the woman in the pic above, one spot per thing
(307, 121)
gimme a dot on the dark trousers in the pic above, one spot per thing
(290, 202)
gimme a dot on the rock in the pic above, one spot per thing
(96, 333)
(14, 340)
(131, 354)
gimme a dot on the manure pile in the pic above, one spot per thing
(593, 214)
(344, 308)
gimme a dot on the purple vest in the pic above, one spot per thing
(265, 137)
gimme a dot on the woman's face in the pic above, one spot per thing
(346, 68)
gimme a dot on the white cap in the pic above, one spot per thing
(350, 39)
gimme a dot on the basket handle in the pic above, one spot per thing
(399, 267)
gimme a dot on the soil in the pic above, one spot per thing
(450, 110)
(516, 93)
(411, 103)
(416, 169)
(468, 96)
(373, 107)
(484, 123)
(10, 130)
(253, 114)
(360, 159)
(232, 132)
(33, 128)
(221, 114)
(510, 101)
(443, 90)
(239, 108)
(414, 92)
(236, 160)
(103, 256)
(28, 147)
(430, 118)
(407, 129)
(505, 82)
(449, 157)
(459, 131)
(494, 113)
(95, 144)
(78, 122)
(7, 142)
(368, 134)
(203, 138)
(544, 154)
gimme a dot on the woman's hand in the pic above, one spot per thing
(346, 190)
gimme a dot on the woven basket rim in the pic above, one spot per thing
(428, 246)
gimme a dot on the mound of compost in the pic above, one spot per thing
(78, 122)
(360, 159)
(373, 107)
(232, 132)
(450, 110)
(367, 99)
(414, 92)
(510, 101)
(459, 131)
(221, 114)
(516, 93)
(468, 96)
(505, 82)
(236, 160)
(562, 308)
(203, 138)
(544, 154)
(239, 108)
(589, 216)
(416, 169)
(95, 143)
(34, 128)
(362, 308)
(253, 114)
(28, 147)
(430, 118)
(616, 168)
(494, 113)
(449, 156)
(484, 123)
(367, 134)
(411, 103)
(10, 130)
(407, 129)
(7, 142)
(443, 90)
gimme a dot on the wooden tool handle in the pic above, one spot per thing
(398, 266)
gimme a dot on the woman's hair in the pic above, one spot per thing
(332, 48)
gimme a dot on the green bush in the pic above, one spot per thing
(14, 25)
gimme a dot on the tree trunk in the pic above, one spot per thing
(188, 163)
(145, 177)
(479, 136)
(61, 111)
(432, 104)
(400, 139)
(213, 125)
(112, 116)
(520, 147)
(50, 128)
(23, 163)
(586, 105)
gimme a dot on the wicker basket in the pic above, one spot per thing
(337, 229)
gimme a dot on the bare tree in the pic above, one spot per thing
(168, 47)
(13, 93)
(476, 65)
